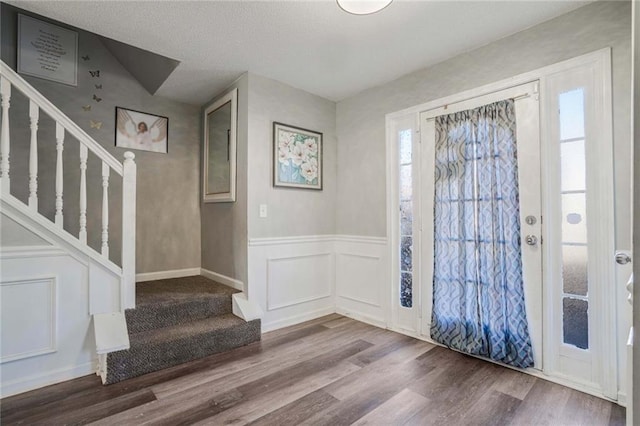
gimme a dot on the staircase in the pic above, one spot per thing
(176, 321)
(138, 328)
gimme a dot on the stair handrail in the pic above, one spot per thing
(8, 79)
(54, 112)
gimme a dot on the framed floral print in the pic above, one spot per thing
(297, 157)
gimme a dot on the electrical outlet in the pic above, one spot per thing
(263, 210)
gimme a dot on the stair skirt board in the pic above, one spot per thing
(178, 320)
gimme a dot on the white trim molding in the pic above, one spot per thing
(50, 322)
(222, 279)
(40, 380)
(163, 275)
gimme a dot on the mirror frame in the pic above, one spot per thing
(221, 197)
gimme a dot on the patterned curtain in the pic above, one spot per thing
(478, 295)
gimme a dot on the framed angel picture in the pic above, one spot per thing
(139, 130)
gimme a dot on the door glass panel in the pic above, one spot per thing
(406, 248)
(572, 166)
(406, 218)
(575, 279)
(576, 322)
(405, 147)
(572, 114)
(574, 270)
(574, 218)
(405, 182)
(406, 286)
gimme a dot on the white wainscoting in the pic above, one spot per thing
(29, 308)
(46, 325)
(295, 279)
(292, 279)
(362, 290)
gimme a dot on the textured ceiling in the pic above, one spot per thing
(311, 45)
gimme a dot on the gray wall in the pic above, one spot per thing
(290, 211)
(224, 225)
(167, 191)
(361, 119)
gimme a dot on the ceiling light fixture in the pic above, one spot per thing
(363, 7)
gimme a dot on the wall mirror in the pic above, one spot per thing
(220, 123)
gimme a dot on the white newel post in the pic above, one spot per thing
(34, 116)
(59, 173)
(5, 93)
(105, 209)
(82, 236)
(129, 230)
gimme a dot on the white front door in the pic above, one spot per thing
(528, 148)
(565, 172)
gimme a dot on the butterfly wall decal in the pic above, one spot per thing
(86, 107)
(95, 73)
(95, 98)
(98, 86)
(95, 124)
(86, 57)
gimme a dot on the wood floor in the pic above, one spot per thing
(330, 371)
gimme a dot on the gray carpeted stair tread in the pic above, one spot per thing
(176, 321)
(163, 348)
(185, 331)
(161, 315)
(179, 289)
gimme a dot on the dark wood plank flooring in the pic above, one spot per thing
(329, 371)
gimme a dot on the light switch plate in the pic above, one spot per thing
(263, 210)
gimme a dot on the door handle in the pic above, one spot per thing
(622, 258)
(531, 240)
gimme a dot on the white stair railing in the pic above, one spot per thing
(9, 80)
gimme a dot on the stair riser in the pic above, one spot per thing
(141, 360)
(145, 318)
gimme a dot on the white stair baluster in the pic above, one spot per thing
(34, 116)
(59, 174)
(82, 236)
(105, 209)
(5, 92)
(129, 229)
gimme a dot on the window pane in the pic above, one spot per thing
(406, 249)
(574, 270)
(576, 322)
(572, 114)
(574, 218)
(405, 146)
(573, 166)
(406, 217)
(405, 182)
(406, 297)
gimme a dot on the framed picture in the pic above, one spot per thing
(142, 131)
(297, 157)
(47, 51)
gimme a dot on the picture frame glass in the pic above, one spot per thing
(297, 159)
(141, 131)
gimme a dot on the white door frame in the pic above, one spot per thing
(600, 61)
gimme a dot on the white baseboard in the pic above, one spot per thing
(361, 317)
(297, 319)
(37, 381)
(163, 275)
(222, 279)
